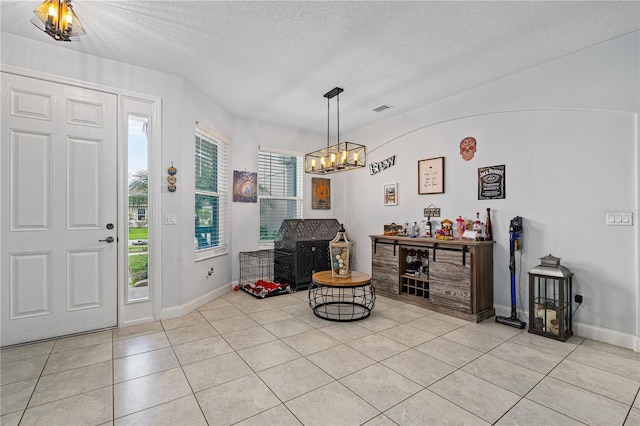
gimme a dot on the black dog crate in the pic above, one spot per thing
(307, 243)
(257, 273)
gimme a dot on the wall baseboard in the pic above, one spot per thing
(588, 331)
(179, 310)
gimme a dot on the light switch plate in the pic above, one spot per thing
(619, 218)
(170, 219)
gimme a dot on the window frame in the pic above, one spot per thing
(298, 198)
(209, 136)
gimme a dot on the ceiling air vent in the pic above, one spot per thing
(382, 108)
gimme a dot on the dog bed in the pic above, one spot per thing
(264, 289)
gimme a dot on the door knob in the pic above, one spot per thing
(108, 239)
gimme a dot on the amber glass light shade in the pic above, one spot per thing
(57, 18)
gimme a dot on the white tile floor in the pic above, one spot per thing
(240, 360)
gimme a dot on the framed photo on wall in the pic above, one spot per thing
(431, 176)
(390, 194)
(320, 194)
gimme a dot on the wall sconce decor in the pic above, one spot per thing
(172, 178)
(339, 157)
(57, 18)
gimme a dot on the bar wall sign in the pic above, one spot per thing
(492, 182)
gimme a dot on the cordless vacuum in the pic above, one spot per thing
(515, 230)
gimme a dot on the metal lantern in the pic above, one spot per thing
(550, 299)
(341, 252)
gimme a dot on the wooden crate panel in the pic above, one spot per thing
(384, 268)
(451, 295)
(448, 267)
(450, 280)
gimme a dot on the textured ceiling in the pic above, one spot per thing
(273, 61)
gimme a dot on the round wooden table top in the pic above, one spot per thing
(356, 279)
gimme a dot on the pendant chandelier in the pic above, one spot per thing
(339, 157)
(57, 18)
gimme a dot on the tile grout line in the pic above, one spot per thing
(540, 381)
(182, 369)
(24, 412)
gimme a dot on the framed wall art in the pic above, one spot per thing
(245, 187)
(320, 194)
(390, 194)
(431, 176)
(492, 182)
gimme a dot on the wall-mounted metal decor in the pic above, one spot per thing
(468, 148)
(382, 165)
(491, 182)
(172, 178)
(431, 176)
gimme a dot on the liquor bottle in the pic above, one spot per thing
(415, 231)
(488, 231)
(477, 226)
(427, 229)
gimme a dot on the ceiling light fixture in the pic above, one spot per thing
(57, 18)
(339, 157)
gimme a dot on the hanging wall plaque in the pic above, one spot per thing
(491, 182)
(320, 194)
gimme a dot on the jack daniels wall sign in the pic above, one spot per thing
(491, 182)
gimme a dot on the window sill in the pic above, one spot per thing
(265, 245)
(210, 253)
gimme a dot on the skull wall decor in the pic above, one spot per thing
(468, 148)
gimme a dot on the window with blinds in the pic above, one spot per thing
(279, 190)
(210, 194)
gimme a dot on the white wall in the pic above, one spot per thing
(194, 274)
(566, 132)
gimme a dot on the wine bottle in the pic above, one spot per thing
(488, 231)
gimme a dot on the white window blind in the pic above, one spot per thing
(211, 157)
(279, 190)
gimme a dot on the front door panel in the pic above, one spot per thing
(59, 191)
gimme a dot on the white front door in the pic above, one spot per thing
(58, 161)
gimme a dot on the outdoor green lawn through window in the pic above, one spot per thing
(138, 238)
(138, 233)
